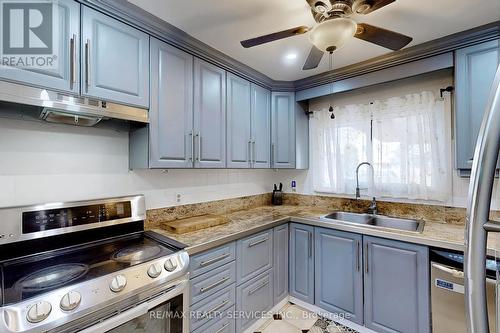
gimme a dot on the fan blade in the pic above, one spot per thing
(377, 4)
(275, 36)
(386, 38)
(313, 59)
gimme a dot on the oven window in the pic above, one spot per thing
(165, 318)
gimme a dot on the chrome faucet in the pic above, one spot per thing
(373, 209)
(358, 194)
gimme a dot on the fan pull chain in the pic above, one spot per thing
(330, 64)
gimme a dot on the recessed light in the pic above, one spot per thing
(291, 56)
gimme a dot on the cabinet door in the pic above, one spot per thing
(261, 127)
(64, 74)
(209, 115)
(339, 273)
(475, 69)
(171, 111)
(115, 62)
(280, 263)
(283, 130)
(302, 262)
(396, 286)
(239, 144)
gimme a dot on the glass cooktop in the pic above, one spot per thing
(36, 274)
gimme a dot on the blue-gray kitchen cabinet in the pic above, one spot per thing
(171, 110)
(65, 73)
(280, 263)
(254, 255)
(339, 273)
(283, 130)
(301, 274)
(239, 138)
(261, 127)
(475, 68)
(115, 60)
(209, 115)
(396, 282)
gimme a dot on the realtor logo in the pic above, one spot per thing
(28, 34)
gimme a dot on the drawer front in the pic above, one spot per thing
(211, 309)
(208, 260)
(255, 255)
(226, 324)
(211, 282)
(252, 297)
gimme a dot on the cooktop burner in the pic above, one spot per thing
(32, 275)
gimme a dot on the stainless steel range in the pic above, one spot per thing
(89, 267)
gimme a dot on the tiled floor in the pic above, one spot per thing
(294, 319)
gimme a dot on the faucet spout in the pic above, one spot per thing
(358, 190)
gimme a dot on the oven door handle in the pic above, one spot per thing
(138, 310)
(118, 320)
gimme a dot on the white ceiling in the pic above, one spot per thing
(223, 23)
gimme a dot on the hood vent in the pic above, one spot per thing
(56, 107)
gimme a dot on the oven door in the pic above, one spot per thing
(162, 314)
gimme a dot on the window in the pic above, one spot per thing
(404, 138)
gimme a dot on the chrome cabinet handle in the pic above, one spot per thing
(87, 65)
(192, 146)
(366, 258)
(198, 136)
(262, 285)
(358, 255)
(215, 284)
(211, 261)
(310, 244)
(272, 155)
(222, 328)
(218, 307)
(254, 154)
(72, 51)
(258, 242)
(249, 153)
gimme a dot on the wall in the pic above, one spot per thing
(41, 162)
(430, 82)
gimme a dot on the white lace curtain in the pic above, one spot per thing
(405, 138)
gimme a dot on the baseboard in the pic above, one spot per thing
(320, 312)
(258, 324)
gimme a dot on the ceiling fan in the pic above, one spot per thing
(334, 27)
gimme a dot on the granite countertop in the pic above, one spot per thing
(246, 222)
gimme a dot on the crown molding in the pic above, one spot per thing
(157, 28)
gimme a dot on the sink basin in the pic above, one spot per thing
(379, 221)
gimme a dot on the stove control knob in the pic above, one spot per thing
(38, 312)
(118, 283)
(70, 301)
(154, 270)
(170, 264)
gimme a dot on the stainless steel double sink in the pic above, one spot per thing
(377, 221)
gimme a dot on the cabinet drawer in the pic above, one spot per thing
(252, 297)
(208, 260)
(212, 309)
(211, 282)
(226, 324)
(254, 255)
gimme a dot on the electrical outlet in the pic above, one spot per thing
(178, 197)
(294, 186)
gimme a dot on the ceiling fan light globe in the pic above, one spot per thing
(332, 34)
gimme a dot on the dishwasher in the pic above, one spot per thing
(447, 291)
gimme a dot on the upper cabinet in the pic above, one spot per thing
(249, 124)
(209, 115)
(115, 64)
(171, 110)
(475, 69)
(239, 138)
(283, 130)
(65, 72)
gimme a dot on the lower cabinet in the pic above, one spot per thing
(252, 298)
(302, 262)
(339, 273)
(396, 286)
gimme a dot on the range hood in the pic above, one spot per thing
(67, 109)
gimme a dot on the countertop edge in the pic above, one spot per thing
(402, 236)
